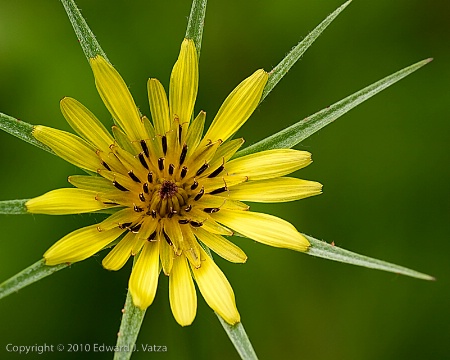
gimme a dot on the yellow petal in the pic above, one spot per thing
(184, 83)
(237, 107)
(182, 295)
(117, 98)
(221, 246)
(93, 183)
(191, 248)
(80, 244)
(144, 276)
(216, 289)
(69, 147)
(159, 106)
(269, 164)
(86, 124)
(266, 229)
(275, 190)
(65, 201)
(166, 255)
(195, 132)
(120, 217)
(119, 255)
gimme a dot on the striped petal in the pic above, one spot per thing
(269, 164)
(221, 246)
(237, 107)
(65, 201)
(266, 229)
(159, 106)
(144, 276)
(184, 83)
(68, 147)
(117, 98)
(182, 295)
(86, 124)
(80, 244)
(275, 190)
(120, 254)
(216, 289)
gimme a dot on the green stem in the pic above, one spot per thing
(196, 23)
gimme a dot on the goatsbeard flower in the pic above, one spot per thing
(175, 194)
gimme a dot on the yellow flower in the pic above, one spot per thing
(175, 192)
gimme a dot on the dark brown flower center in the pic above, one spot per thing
(167, 190)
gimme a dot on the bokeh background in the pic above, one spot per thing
(384, 166)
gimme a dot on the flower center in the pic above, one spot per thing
(167, 199)
(168, 189)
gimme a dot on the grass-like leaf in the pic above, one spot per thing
(295, 54)
(86, 37)
(22, 130)
(28, 276)
(327, 251)
(13, 206)
(196, 23)
(129, 329)
(240, 340)
(301, 130)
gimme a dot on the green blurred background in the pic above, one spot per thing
(384, 166)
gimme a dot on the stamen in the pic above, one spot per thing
(202, 169)
(167, 238)
(142, 160)
(150, 177)
(145, 187)
(118, 186)
(133, 177)
(211, 210)
(110, 203)
(135, 229)
(171, 169)
(194, 185)
(219, 190)
(183, 221)
(124, 225)
(171, 213)
(200, 194)
(183, 154)
(180, 132)
(138, 209)
(164, 144)
(145, 148)
(183, 172)
(189, 208)
(106, 166)
(161, 163)
(154, 214)
(141, 197)
(196, 223)
(152, 236)
(216, 172)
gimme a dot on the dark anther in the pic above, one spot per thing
(211, 210)
(202, 168)
(145, 187)
(200, 194)
(133, 177)
(118, 186)
(183, 172)
(189, 208)
(142, 160)
(194, 185)
(154, 214)
(171, 169)
(152, 236)
(138, 209)
(216, 172)
(110, 203)
(150, 177)
(171, 213)
(141, 197)
(196, 223)
(135, 228)
(124, 225)
(164, 144)
(219, 190)
(161, 164)
(183, 221)
(180, 132)
(167, 238)
(183, 154)
(145, 148)
(106, 166)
